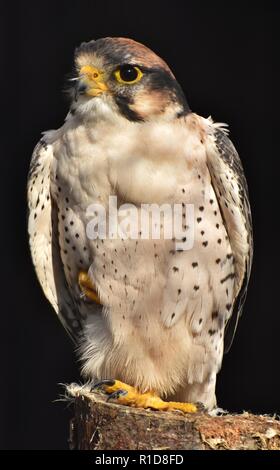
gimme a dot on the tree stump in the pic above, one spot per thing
(102, 425)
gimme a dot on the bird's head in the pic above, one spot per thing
(121, 76)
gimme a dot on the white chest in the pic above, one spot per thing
(142, 163)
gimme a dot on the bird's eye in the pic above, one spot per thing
(128, 74)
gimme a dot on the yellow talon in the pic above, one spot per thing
(87, 287)
(146, 400)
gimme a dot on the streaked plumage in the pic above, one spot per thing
(163, 314)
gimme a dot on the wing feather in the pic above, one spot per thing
(43, 237)
(230, 186)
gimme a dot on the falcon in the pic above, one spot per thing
(150, 319)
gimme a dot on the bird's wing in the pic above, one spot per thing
(42, 229)
(229, 183)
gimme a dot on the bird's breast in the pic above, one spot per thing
(141, 163)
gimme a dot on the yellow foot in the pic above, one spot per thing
(128, 395)
(87, 287)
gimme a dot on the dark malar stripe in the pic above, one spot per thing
(123, 105)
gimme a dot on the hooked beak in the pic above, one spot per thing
(91, 82)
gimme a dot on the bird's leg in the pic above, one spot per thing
(130, 396)
(87, 287)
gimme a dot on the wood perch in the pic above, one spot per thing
(102, 425)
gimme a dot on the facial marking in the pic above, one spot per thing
(147, 104)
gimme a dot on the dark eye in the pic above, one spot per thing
(128, 74)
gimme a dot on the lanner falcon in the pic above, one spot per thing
(149, 317)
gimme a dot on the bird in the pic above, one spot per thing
(151, 320)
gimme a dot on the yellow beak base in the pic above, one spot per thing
(94, 79)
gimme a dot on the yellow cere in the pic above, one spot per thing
(91, 73)
(94, 79)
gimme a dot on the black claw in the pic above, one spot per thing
(117, 394)
(200, 407)
(102, 382)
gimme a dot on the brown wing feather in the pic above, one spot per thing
(230, 185)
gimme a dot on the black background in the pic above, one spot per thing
(221, 54)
